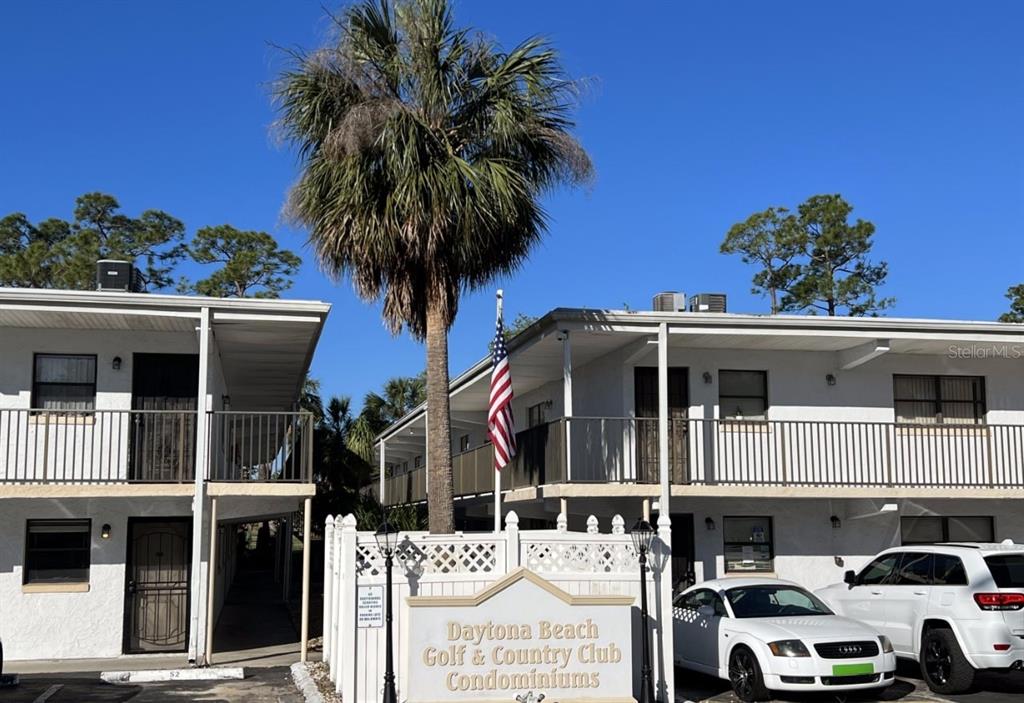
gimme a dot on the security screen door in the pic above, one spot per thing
(157, 585)
(165, 388)
(645, 385)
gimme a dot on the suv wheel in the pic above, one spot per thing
(943, 665)
(745, 676)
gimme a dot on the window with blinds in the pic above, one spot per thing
(64, 382)
(929, 400)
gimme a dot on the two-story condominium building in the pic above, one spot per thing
(791, 445)
(130, 426)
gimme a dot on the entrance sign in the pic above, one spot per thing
(370, 603)
(520, 634)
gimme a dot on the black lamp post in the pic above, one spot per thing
(643, 534)
(387, 541)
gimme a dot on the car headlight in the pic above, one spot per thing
(788, 648)
(886, 644)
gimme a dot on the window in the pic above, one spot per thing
(748, 544)
(64, 382)
(934, 529)
(1007, 570)
(948, 570)
(417, 462)
(915, 569)
(929, 400)
(57, 551)
(773, 602)
(694, 600)
(743, 395)
(879, 570)
(464, 443)
(537, 414)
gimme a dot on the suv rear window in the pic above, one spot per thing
(1007, 569)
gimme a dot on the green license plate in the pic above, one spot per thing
(852, 669)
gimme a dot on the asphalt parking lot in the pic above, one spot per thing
(273, 685)
(908, 688)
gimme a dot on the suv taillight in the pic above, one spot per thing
(999, 601)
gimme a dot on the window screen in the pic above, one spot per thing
(57, 551)
(743, 395)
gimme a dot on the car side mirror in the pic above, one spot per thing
(850, 577)
(706, 611)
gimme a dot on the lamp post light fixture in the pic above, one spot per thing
(387, 542)
(643, 535)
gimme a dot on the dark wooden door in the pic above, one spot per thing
(157, 585)
(165, 388)
(645, 384)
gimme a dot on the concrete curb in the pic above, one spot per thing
(213, 673)
(304, 682)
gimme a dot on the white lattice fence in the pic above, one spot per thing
(589, 563)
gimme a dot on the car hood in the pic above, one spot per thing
(810, 627)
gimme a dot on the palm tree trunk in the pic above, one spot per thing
(440, 498)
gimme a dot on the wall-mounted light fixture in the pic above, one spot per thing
(709, 523)
(105, 531)
(707, 377)
(116, 363)
(225, 402)
(836, 522)
(830, 379)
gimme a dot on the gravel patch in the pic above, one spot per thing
(320, 671)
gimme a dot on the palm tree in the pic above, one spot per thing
(401, 395)
(425, 151)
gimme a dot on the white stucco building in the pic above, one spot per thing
(130, 425)
(791, 445)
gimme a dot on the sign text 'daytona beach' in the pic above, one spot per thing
(520, 634)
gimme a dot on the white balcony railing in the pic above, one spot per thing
(743, 452)
(151, 446)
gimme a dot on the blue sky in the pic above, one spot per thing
(699, 114)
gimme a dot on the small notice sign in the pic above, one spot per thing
(370, 606)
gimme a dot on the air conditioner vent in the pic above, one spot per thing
(113, 274)
(669, 301)
(707, 302)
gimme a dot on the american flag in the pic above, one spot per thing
(500, 426)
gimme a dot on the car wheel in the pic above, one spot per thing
(943, 665)
(745, 676)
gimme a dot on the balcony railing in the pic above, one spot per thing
(151, 446)
(261, 446)
(743, 452)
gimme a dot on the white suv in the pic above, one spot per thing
(954, 608)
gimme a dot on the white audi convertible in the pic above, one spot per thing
(766, 634)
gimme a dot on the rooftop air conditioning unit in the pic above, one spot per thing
(707, 302)
(113, 274)
(669, 301)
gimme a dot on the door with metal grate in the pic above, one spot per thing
(157, 585)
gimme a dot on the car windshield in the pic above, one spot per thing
(1007, 569)
(773, 601)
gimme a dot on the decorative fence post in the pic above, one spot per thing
(562, 524)
(512, 556)
(345, 653)
(664, 600)
(593, 527)
(618, 525)
(328, 585)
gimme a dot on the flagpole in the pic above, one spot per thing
(497, 474)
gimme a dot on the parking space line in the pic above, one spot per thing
(48, 693)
